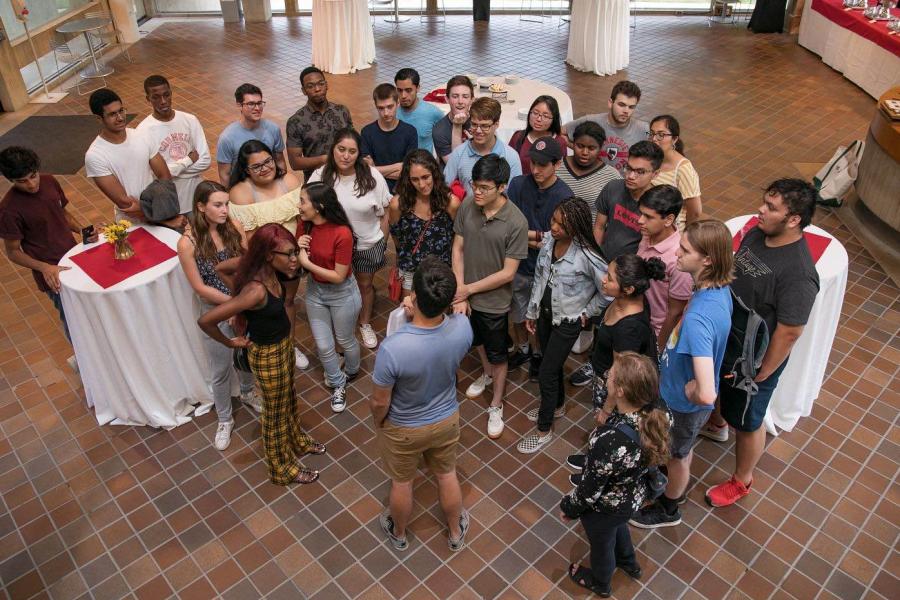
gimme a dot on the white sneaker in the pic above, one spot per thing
(72, 363)
(495, 422)
(476, 388)
(223, 435)
(715, 433)
(369, 339)
(339, 400)
(533, 442)
(300, 359)
(253, 400)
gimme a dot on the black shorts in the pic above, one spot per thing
(745, 412)
(490, 331)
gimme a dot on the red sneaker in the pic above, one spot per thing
(726, 494)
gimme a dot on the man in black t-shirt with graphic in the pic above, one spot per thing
(616, 227)
(775, 276)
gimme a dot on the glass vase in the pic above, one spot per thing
(123, 249)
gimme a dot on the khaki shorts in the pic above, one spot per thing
(403, 447)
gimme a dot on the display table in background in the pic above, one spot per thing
(342, 37)
(522, 93)
(878, 179)
(137, 342)
(847, 42)
(599, 36)
(802, 378)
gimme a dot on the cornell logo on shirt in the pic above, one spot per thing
(177, 145)
(616, 152)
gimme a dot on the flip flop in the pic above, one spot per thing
(583, 577)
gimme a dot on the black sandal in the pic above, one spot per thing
(305, 476)
(316, 449)
(583, 577)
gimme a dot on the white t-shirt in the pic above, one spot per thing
(364, 212)
(129, 162)
(174, 140)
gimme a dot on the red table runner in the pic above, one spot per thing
(817, 243)
(877, 32)
(98, 262)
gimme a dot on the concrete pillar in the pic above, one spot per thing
(257, 11)
(124, 17)
(291, 8)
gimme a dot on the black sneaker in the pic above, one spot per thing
(534, 366)
(583, 376)
(517, 359)
(654, 516)
(387, 526)
(576, 462)
(575, 479)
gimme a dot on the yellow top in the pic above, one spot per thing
(283, 210)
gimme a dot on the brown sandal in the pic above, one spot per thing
(305, 476)
(316, 449)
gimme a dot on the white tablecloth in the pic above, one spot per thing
(862, 61)
(523, 93)
(342, 37)
(599, 36)
(137, 343)
(801, 379)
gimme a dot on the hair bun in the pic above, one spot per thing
(656, 268)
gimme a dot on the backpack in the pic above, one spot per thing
(654, 479)
(834, 179)
(748, 340)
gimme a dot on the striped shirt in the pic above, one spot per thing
(587, 187)
(684, 177)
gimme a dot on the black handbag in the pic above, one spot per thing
(240, 359)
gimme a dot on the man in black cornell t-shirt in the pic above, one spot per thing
(775, 276)
(616, 228)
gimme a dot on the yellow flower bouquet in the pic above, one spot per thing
(117, 234)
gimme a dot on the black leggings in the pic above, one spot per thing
(556, 343)
(610, 544)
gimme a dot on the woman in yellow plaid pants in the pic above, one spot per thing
(259, 302)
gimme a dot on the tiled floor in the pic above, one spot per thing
(109, 512)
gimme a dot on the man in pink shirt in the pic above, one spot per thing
(659, 208)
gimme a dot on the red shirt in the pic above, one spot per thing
(39, 222)
(330, 245)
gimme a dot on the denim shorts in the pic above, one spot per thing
(685, 428)
(745, 412)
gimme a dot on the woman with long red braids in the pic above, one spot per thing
(258, 303)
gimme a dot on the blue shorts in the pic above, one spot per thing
(745, 412)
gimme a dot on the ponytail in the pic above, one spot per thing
(654, 431)
(637, 378)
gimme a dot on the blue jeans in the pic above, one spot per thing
(56, 299)
(221, 366)
(332, 310)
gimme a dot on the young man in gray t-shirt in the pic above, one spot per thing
(622, 129)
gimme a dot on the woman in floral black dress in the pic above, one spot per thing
(422, 201)
(613, 486)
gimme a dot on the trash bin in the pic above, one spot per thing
(231, 11)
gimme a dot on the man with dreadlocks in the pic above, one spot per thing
(567, 291)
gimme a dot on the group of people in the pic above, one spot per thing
(517, 248)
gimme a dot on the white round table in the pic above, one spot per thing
(802, 378)
(137, 342)
(522, 93)
(599, 36)
(342, 37)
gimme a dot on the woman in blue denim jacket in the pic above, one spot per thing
(567, 287)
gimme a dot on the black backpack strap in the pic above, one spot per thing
(630, 432)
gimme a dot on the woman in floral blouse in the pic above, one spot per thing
(423, 208)
(613, 486)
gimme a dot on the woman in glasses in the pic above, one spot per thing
(261, 192)
(258, 304)
(676, 170)
(543, 120)
(364, 194)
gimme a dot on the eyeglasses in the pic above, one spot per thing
(315, 85)
(483, 189)
(638, 172)
(291, 254)
(541, 116)
(481, 126)
(259, 104)
(658, 135)
(119, 113)
(259, 167)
